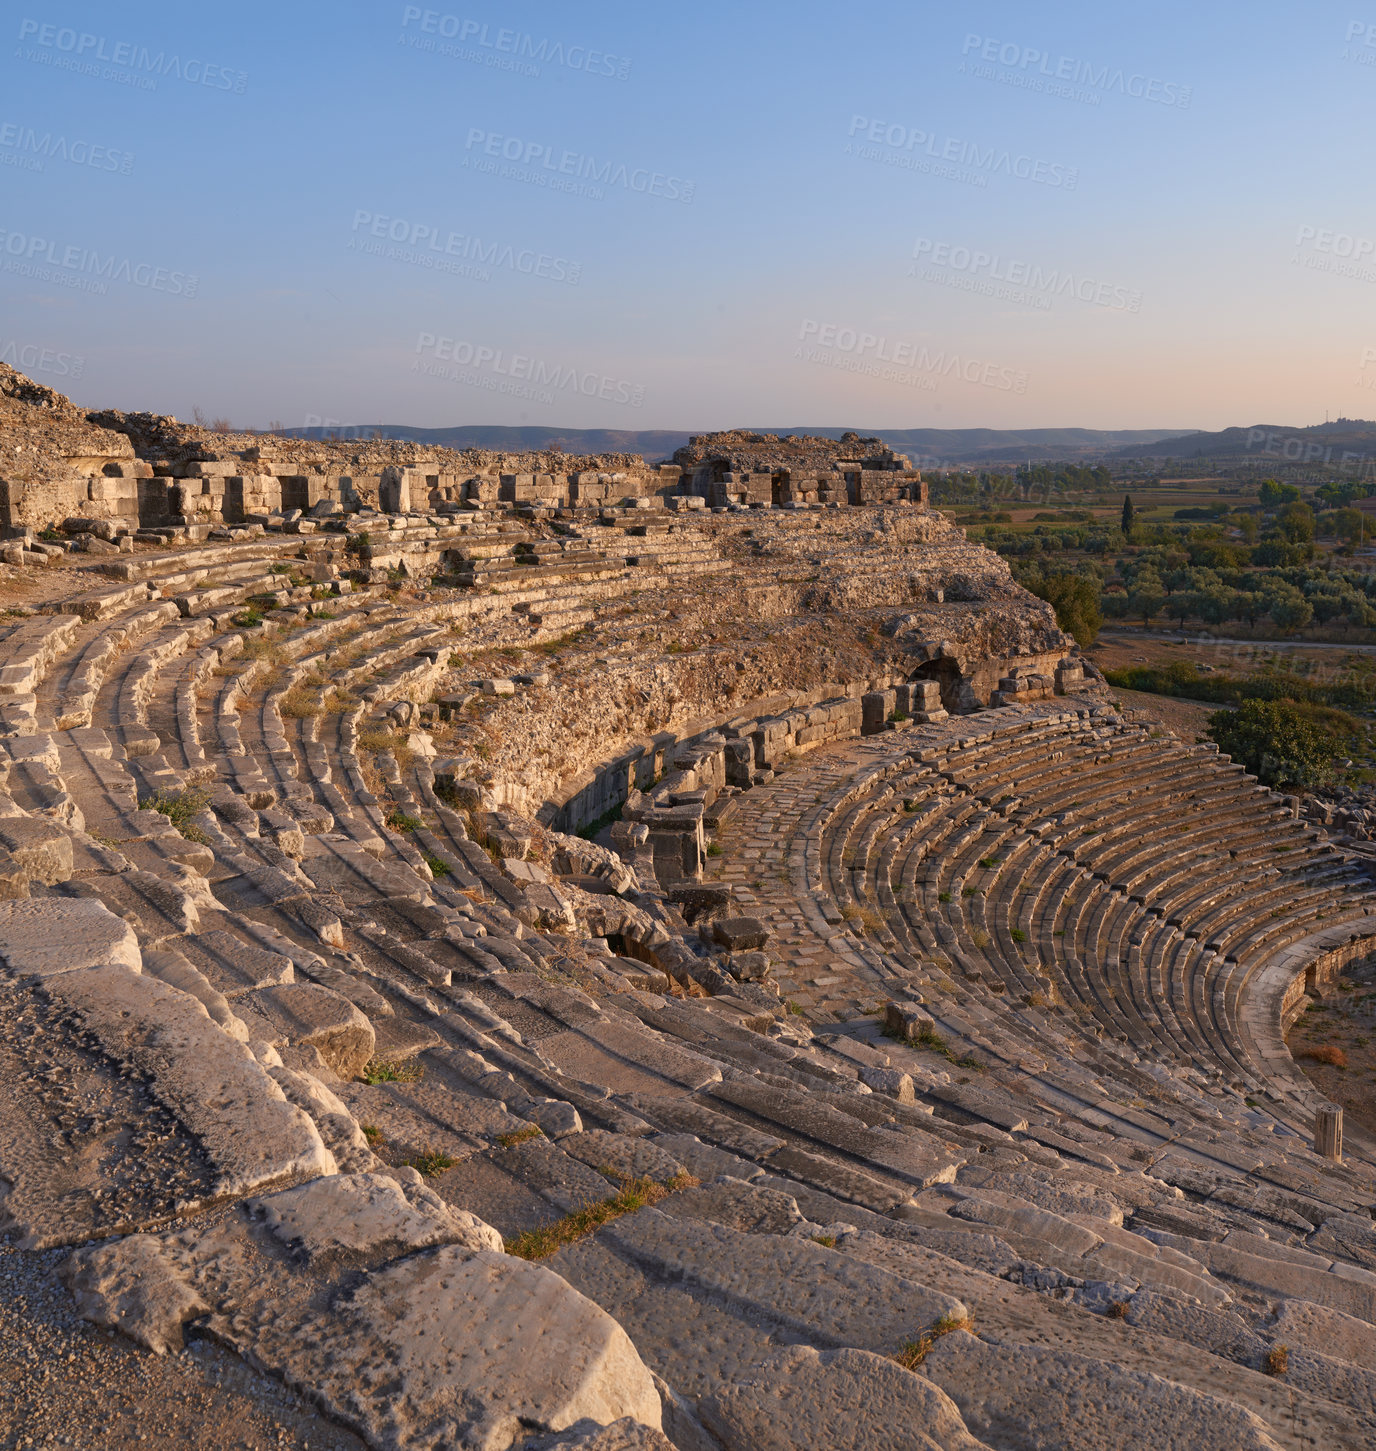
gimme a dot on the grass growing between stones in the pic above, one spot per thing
(430, 1162)
(381, 1070)
(299, 703)
(520, 1136)
(912, 1353)
(635, 1194)
(926, 1038)
(180, 808)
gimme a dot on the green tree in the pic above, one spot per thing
(1129, 517)
(1246, 525)
(1147, 596)
(1349, 525)
(1297, 523)
(1075, 599)
(1272, 494)
(1283, 742)
(1217, 604)
(1287, 607)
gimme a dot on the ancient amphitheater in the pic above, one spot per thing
(894, 1060)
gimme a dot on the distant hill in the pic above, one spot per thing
(1318, 442)
(933, 447)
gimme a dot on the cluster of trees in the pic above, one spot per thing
(1292, 596)
(980, 488)
(1028, 482)
(1352, 691)
(1051, 479)
(1336, 492)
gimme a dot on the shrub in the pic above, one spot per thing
(1326, 1053)
(1282, 742)
(1277, 1361)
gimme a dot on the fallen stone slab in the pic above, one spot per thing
(208, 1080)
(454, 1347)
(39, 846)
(134, 1285)
(740, 934)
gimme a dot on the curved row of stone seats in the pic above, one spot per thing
(1104, 929)
(854, 1195)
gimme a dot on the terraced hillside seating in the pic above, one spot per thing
(874, 1071)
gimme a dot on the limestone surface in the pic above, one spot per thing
(528, 951)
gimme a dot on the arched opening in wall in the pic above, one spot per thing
(947, 675)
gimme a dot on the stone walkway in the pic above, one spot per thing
(819, 964)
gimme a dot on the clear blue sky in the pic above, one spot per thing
(1150, 217)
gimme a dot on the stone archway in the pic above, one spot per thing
(948, 676)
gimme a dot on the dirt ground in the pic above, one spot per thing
(1342, 1026)
(1184, 718)
(67, 1383)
